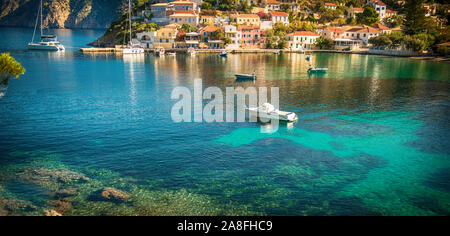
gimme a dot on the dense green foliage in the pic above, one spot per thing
(324, 43)
(368, 17)
(415, 21)
(9, 67)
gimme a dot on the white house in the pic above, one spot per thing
(379, 6)
(146, 39)
(235, 36)
(302, 40)
(363, 33)
(282, 17)
(329, 5)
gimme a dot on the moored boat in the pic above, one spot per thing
(224, 53)
(48, 42)
(317, 70)
(191, 52)
(132, 49)
(159, 51)
(245, 76)
(268, 111)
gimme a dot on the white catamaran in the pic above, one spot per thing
(48, 42)
(132, 49)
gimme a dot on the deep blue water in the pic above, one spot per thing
(372, 136)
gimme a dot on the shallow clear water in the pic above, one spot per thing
(372, 138)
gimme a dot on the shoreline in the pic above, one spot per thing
(118, 50)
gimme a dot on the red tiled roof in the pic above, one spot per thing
(276, 13)
(380, 26)
(358, 9)
(209, 28)
(390, 11)
(305, 33)
(329, 4)
(444, 44)
(273, 2)
(366, 29)
(335, 30)
(378, 2)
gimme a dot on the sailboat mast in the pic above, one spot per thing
(41, 18)
(129, 15)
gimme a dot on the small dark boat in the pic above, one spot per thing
(245, 76)
(317, 70)
(224, 53)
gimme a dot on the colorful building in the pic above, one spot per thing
(379, 6)
(302, 39)
(248, 19)
(250, 36)
(184, 18)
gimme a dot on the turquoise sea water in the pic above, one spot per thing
(372, 136)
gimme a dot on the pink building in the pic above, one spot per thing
(250, 36)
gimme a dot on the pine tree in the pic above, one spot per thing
(415, 21)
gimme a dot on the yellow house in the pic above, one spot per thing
(184, 18)
(248, 19)
(207, 20)
(165, 37)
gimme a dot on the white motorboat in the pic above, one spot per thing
(191, 52)
(301, 51)
(48, 42)
(276, 52)
(132, 49)
(317, 70)
(268, 111)
(171, 54)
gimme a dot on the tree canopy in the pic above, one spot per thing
(368, 17)
(9, 67)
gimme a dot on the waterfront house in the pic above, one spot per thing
(184, 18)
(159, 10)
(382, 28)
(363, 33)
(235, 36)
(332, 32)
(248, 19)
(146, 39)
(165, 37)
(301, 40)
(207, 33)
(379, 6)
(250, 36)
(282, 17)
(192, 40)
(330, 5)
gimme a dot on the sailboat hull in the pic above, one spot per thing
(37, 46)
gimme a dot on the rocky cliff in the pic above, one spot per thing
(61, 13)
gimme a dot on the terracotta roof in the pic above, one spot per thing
(335, 30)
(366, 29)
(444, 44)
(390, 11)
(209, 28)
(378, 2)
(273, 2)
(305, 33)
(276, 13)
(380, 26)
(358, 9)
(329, 4)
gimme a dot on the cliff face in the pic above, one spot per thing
(61, 13)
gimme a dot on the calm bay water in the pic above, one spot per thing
(372, 137)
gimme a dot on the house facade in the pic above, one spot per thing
(248, 19)
(379, 6)
(250, 36)
(235, 36)
(146, 39)
(282, 17)
(302, 40)
(184, 18)
(330, 5)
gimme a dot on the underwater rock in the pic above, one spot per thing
(112, 194)
(12, 206)
(62, 206)
(68, 192)
(39, 175)
(52, 213)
